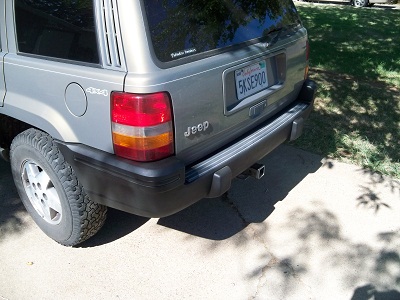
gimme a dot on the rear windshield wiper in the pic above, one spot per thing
(272, 39)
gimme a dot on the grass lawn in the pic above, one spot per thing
(355, 59)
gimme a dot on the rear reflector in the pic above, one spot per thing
(142, 127)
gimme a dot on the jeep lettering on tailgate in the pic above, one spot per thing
(198, 128)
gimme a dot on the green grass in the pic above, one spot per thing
(355, 59)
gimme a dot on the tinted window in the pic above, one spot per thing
(57, 28)
(180, 28)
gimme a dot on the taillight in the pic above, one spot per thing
(307, 60)
(142, 127)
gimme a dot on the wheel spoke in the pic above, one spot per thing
(30, 191)
(52, 199)
(31, 171)
(41, 192)
(29, 178)
(43, 181)
(37, 204)
(47, 214)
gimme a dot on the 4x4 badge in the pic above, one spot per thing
(94, 91)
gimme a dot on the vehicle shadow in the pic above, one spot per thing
(12, 211)
(14, 218)
(117, 225)
(248, 201)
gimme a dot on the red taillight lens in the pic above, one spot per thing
(141, 109)
(142, 126)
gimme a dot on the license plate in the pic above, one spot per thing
(251, 79)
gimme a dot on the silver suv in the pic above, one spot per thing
(144, 106)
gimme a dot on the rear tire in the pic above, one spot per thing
(50, 190)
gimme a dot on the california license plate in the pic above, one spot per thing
(251, 79)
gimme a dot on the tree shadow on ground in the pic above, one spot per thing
(250, 201)
(221, 218)
(370, 198)
(12, 211)
(316, 239)
(13, 216)
(349, 41)
(368, 291)
(355, 63)
(214, 219)
(354, 124)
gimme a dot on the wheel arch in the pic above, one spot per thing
(16, 121)
(9, 129)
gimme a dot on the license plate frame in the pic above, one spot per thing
(251, 79)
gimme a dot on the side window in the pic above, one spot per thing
(57, 28)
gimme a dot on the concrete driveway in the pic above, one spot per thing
(310, 229)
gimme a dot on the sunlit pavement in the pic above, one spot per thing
(309, 229)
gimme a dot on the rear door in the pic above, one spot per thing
(3, 49)
(59, 75)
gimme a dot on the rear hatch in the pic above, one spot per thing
(228, 66)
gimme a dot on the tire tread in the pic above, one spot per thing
(88, 216)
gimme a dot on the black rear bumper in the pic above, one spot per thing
(161, 188)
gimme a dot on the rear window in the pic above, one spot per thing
(180, 28)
